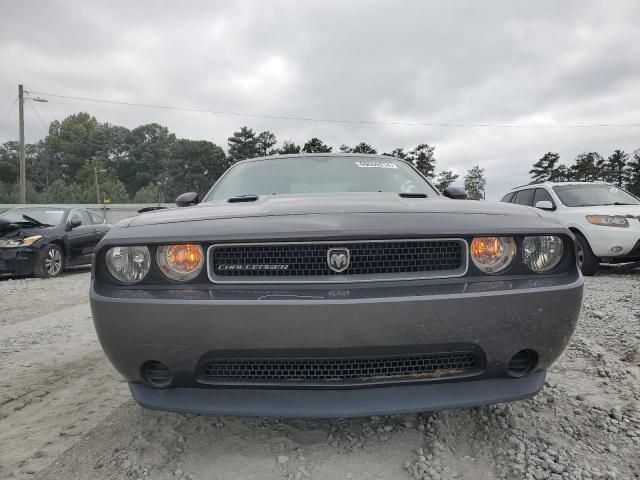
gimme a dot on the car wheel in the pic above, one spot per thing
(50, 262)
(587, 261)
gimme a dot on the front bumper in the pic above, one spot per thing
(17, 261)
(338, 403)
(610, 242)
(182, 326)
(631, 256)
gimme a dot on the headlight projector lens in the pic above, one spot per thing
(542, 253)
(492, 254)
(180, 262)
(128, 264)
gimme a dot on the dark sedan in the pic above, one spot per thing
(334, 285)
(42, 241)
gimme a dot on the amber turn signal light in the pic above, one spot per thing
(181, 262)
(492, 254)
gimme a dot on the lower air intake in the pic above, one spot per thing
(418, 366)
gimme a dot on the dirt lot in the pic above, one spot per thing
(65, 414)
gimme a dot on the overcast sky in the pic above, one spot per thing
(450, 61)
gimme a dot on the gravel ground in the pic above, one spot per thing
(66, 414)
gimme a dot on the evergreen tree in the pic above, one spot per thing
(289, 148)
(586, 168)
(345, 148)
(445, 178)
(243, 144)
(474, 183)
(546, 168)
(315, 145)
(397, 153)
(265, 143)
(363, 147)
(422, 158)
(614, 167)
(632, 174)
(562, 174)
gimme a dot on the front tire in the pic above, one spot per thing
(50, 262)
(587, 260)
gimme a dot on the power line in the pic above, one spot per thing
(36, 112)
(4, 122)
(341, 121)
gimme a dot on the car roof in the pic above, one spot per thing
(556, 184)
(47, 207)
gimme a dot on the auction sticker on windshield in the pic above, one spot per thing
(376, 165)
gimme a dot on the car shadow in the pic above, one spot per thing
(619, 269)
(67, 271)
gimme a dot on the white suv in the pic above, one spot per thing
(604, 218)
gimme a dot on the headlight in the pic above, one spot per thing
(25, 242)
(492, 254)
(180, 262)
(128, 264)
(542, 253)
(608, 220)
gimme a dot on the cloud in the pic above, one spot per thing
(440, 61)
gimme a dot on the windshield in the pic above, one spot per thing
(320, 175)
(48, 216)
(588, 195)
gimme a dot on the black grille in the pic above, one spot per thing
(310, 259)
(418, 366)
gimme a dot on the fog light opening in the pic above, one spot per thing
(522, 363)
(156, 374)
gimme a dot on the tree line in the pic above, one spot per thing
(150, 164)
(619, 168)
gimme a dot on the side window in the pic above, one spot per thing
(507, 198)
(82, 216)
(524, 197)
(541, 195)
(97, 219)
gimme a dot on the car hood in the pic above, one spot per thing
(329, 217)
(333, 203)
(8, 231)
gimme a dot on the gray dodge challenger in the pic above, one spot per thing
(333, 285)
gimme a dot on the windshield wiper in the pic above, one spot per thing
(247, 197)
(34, 221)
(618, 203)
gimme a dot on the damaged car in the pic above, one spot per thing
(334, 285)
(43, 241)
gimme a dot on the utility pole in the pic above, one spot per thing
(21, 153)
(95, 173)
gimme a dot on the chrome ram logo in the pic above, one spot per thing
(338, 259)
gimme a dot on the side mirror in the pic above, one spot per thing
(455, 193)
(187, 199)
(544, 205)
(75, 222)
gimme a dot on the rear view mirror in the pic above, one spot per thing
(455, 193)
(75, 222)
(187, 199)
(544, 205)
